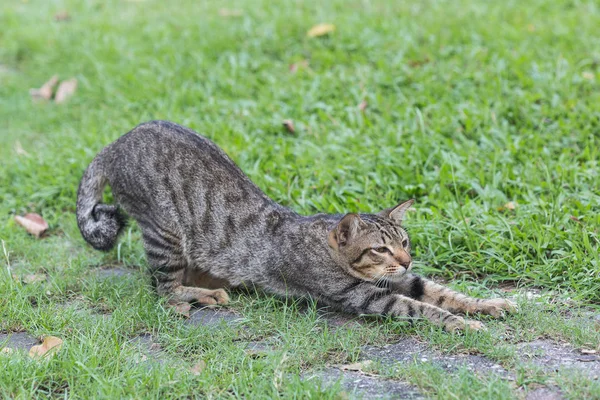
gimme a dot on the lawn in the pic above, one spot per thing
(487, 113)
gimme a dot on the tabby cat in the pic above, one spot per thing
(201, 216)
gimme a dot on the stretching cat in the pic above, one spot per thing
(199, 214)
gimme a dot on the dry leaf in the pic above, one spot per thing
(358, 367)
(45, 92)
(33, 223)
(587, 351)
(6, 351)
(62, 16)
(574, 218)
(508, 206)
(19, 149)
(363, 105)
(65, 90)
(588, 75)
(50, 344)
(181, 308)
(300, 64)
(289, 125)
(320, 30)
(33, 278)
(226, 12)
(198, 368)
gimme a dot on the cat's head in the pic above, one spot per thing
(373, 246)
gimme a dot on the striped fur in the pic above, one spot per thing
(206, 226)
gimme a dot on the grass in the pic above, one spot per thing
(470, 106)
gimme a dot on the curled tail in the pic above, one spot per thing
(99, 224)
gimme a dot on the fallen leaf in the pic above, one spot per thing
(226, 12)
(19, 149)
(33, 223)
(62, 16)
(181, 308)
(198, 368)
(588, 75)
(300, 64)
(44, 92)
(50, 345)
(320, 30)
(357, 367)
(33, 278)
(574, 218)
(508, 206)
(65, 90)
(289, 125)
(363, 105)
(6, 351)
(587, 351)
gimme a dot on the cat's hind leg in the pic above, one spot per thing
(168, 267)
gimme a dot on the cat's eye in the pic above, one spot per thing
(382, 249)
(405, 243)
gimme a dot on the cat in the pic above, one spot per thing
(200, 215)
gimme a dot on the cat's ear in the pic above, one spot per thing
(346, 229)
(397, 213)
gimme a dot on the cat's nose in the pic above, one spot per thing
(403, 258)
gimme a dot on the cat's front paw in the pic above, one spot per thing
(459, 324)
(497, 308)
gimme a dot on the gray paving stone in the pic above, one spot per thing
(409, 350)
(544, 394)
(213, 317)
(358, 385)
(17, 340)
(553, 356)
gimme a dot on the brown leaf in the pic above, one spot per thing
(62, 16)
(574, 218)
(226, 12)
(19, 149)
(508, 206)
(588, 75)
(363, 105)
(357, 367)
(6, 351)
(44, 92)
(33, 223)
(300, 64)
(50, 345)
(320, 30)
(181, 308)
(33, 278)
(65, 90)
(289, 125)
(198, 368)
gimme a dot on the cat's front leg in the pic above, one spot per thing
(370, 299)
(430, 292)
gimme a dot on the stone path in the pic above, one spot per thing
(546, 354)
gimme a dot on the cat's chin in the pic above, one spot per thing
(396, 277)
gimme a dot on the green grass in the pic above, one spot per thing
(471, 105)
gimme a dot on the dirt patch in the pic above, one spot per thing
(17, 340)
(213, 317)
(552, 356)
(113, 272)
(409, 350)
(544, 394)
(358, 385)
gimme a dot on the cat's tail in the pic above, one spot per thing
(100, 224)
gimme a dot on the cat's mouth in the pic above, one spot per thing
(393, 273)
